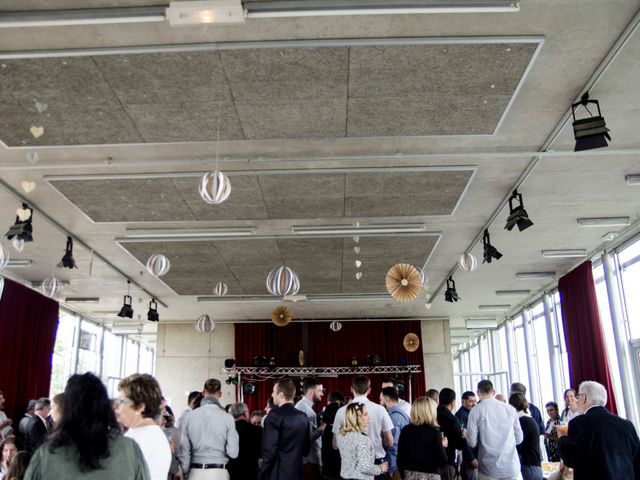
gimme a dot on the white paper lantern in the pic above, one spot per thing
(17, 243)
(158, 265)
(51, 287)
(204, 324)
(283, 281)
(215, 187)
(221, 289)
(423, 276)
(468, 262)
(4, 256)
(335, 325)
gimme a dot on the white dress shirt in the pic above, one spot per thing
(379, 421)
(405, 407)
(494, 427)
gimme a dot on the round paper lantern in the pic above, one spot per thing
(403, 282)
(283, 281)
(221, 289)
(17, 243)
(204, 324)
(423, 276)
(4, 256)
(281, 316)
(468, 262)
(158, 265)
(51, 287)
(411, 342)
(335, 326)
(215, 187)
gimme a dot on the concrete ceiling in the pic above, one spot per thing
(429, 119)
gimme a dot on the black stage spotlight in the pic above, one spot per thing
(518, 215)
(373, 360)
(272, 362)
(22, 229)
(400, 387)
(229, 363)
(231, 380)
(249, 388)
(67, 260)
(127, 309)
(490, 252)
(590, 132)
(259, 361)
(450, 295)
(152, 314)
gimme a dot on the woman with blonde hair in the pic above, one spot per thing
(421, 448)
(356, 450)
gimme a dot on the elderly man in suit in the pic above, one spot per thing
(286, 438)
(599, 445)
(38, 426)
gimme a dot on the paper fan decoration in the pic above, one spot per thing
(281, 316)
(301, 358)
(403, 282)
(411, 342)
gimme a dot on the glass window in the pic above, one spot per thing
(131, 358)
(146, 360)
(541, 346)
(629, 260)
(89, 344)
(564, 357)
(111, 358)
(64, 352)
(485, 354)
(520, 353)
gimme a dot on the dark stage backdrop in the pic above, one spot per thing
(583, 331)
(28, 325)
(325, 348)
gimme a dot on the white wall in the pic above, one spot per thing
(186, 358)
(436, 348)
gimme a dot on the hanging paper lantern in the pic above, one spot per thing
(468, 262)
(158, 265)
(403, 282)
(283, 281)
(4, 256)
(17, 243)
(335, 326)
(411, 342)
(51, 287)
(423, 276)
(221, 289)
(204, 324)
(215, 187)
(281, 316)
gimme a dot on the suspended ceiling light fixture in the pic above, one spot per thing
(518, 215)
(590, 132)
(451, 295)
(490, 252)
(127, 310)
(67, 260)
(152, 314)
(604, 222)
(565, 253)
(22, 230)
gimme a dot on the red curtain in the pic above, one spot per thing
(326, 348)
(28, 325)
(583, 331)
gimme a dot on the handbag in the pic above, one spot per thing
(411, 475)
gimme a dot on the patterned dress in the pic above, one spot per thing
(553, 450)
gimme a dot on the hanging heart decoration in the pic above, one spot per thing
(358, 263)
(41, 107)
(33, 158)
(358, 275)
(28, 187)
(18, 244)
(37, 132)
(23, 214)
(356, 238)
(356, 249)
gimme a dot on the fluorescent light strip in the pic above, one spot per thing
(566, 253)
(83, 16)
(389, 229)
(604, 222)
(633, 179)
(494, 308)
(19, 263)
(125, 329)
(512, 293)
(82, 300)
(535, 275)
(320, 297)
(158, 233)
(309, 8)
(481, 323)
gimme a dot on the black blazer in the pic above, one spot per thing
(245, 466)
(420, 449)
(601, 446)
(285, 440)
(452, 429)
(36, 434)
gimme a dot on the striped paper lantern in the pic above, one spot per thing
(204, 324)
(215, 187)
(283, 281)
(158, 265)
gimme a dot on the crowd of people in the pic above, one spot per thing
(81, 433)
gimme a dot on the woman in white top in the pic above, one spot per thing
(138, 406)
(356, 450)
(571, 406)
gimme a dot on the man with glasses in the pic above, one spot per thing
(599, 445)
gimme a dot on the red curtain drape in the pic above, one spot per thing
(583, 331)
(325, 348)
(28, 325)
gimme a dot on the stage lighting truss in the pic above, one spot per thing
(319, 371)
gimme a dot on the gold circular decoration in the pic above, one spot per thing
(411, 342)
(301, 358)
(281, 316)
(403, 282)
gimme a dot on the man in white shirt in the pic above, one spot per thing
(380, 424)
(494, 427)
(312, 392)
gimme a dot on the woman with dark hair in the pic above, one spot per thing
(529, 450)
(19, 465)
(8, 450)
(87, 443)
(139, 405)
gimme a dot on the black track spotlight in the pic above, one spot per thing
(590, 132)
(249, 388)
(450, 295)
(231, 380)
(259, 361)
(518, 215)
(22, 229)
(490, 252)
(229, 363)
(152, 314)
(67, 260)
(127, 309)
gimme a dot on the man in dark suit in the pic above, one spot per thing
(245, 466)
(38, 426)
(286, 438)
(599, 445)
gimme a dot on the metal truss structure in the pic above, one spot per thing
(319, 371)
